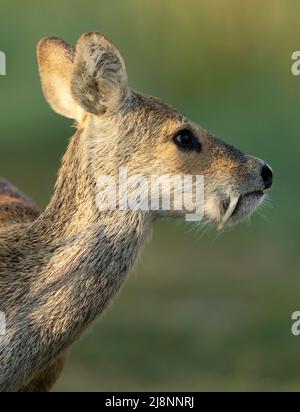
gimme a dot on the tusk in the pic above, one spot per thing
(230, 210)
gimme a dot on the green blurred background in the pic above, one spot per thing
(202, 311)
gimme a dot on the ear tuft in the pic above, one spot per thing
(55, 59)
(99, 80)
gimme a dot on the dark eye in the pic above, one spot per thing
(185, 140)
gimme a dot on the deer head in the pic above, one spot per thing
(122, 127)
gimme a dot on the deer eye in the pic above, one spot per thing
(185, 140)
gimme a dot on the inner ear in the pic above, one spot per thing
(99, 80)
(56, 60)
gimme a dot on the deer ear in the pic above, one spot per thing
(99, 80)
(55, 59)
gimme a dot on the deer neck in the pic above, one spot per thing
(89, 252)
(73, 214)
(103, 244)
(76, 260)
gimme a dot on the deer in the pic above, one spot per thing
(61, 267)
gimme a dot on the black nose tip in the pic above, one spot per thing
(267, 175)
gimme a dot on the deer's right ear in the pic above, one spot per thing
(55, 59)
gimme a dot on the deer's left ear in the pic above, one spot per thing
(99, 80)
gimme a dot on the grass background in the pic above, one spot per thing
(201, 311)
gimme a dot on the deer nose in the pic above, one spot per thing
(267, 175)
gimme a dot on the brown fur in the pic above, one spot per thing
(60, 269)
(15, 207)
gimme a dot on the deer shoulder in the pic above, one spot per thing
(15, 206)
